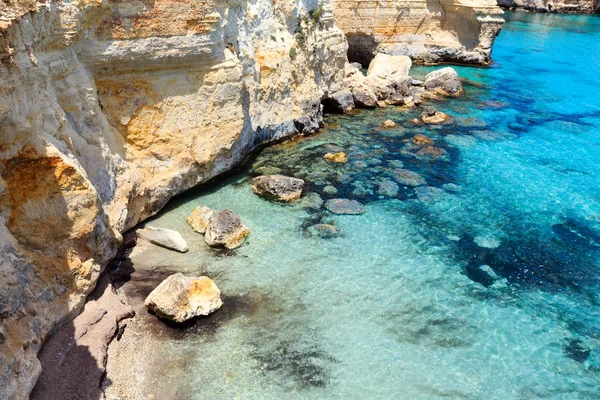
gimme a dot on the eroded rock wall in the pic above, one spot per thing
(428, 31)
(110, 108)
(560, 6)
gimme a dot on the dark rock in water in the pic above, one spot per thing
(432, 153)
(278, 187)
(576, 349)
(421, 140)
(451, 188)
(330, 190)
(493, 104)
(313, 201)
(324, 231)
(341, 102)
(267, 170)
(408, 178)
(364, 98)
(388, 188)
(429, 194)
(225, 229)
(345, 206)
(517, 127)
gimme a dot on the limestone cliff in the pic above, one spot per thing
(560, 6)
(429, 31)
(109, 108)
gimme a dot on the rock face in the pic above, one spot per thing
(225, 229)
(560, 6)
(428, 31)
(179, 298)
(278, 187)
(110, 108)
(167, 238)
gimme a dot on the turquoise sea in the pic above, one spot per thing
(482, 284)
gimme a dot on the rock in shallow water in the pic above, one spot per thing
(408, 178)
(179, 298)
(278, 187)
(345, 206)
(445, 79)
(388, 188)
(167, 238)
(199, 218)
(336, 157)
(225, 229)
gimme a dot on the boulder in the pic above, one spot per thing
(341, 101)
(278, 187)
(166, 238)
(408, 178)
(446, 79)
(225, 229)
(364, 98)
(336, 157)
(199, 218)
(345, 206)
(179, 298)
(385, 64)
(324, 231)
(388, 124)
(313, 201)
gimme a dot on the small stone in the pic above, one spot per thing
(336, 157)
(388, 188)
(422, 140)
(199, 218)
(278, 187)
(179, 298)
(166, 238)
(330, 190)
(408, 178)
(225, 229)
(345, 206)
(388, 124)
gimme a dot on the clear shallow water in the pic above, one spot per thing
(488, 289)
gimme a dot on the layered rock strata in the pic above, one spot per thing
(110, 108)
(432, 31)
(559, 6)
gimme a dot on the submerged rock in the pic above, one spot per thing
(446, 79)
(388, 188)
(166, 238)
(429, 194)
(179, 298)
(199, 218)
(313, 201)
(431, 153)
(336, 157)
(330, 190)
(408, 178)
(345, 206)
(422, 140)
(324, 231)
(278, 187)
(225, 229)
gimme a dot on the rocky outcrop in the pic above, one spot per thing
(560, 6)
(428, 31)
(179, 298)
(110, 108)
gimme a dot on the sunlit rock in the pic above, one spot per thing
(445, 79)
(167, 238)
(199, 218)
(278, 187)
(225, 229)
(179, 298)
(336, 157)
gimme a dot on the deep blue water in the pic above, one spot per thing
(482, 284)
